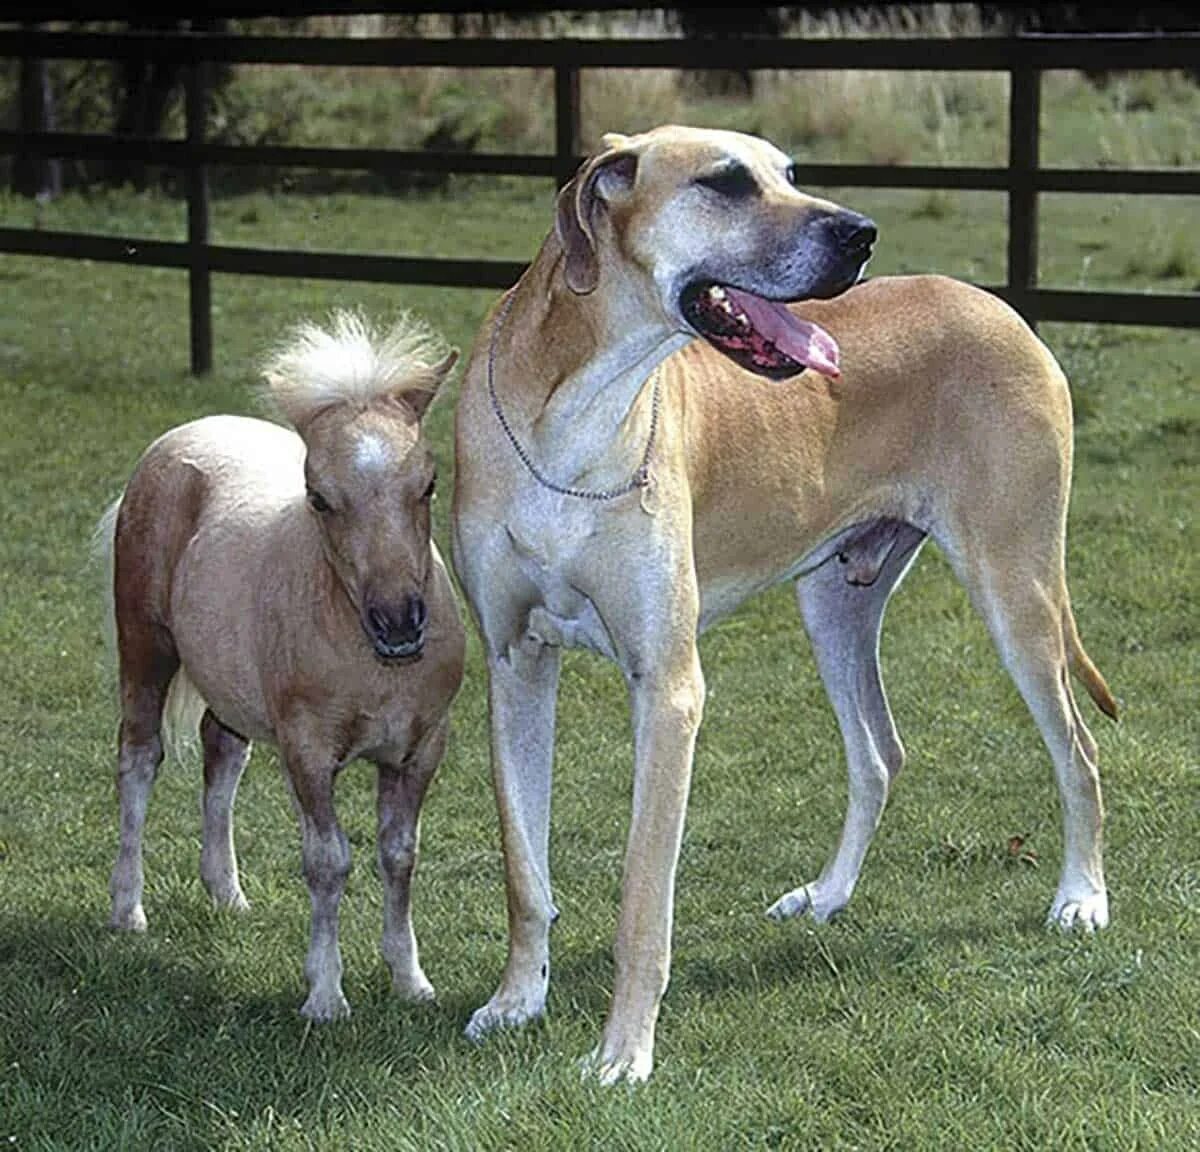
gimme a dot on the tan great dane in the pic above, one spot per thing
(622, 485)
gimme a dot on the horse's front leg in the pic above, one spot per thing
(401, 791)
(325, 851)
(666, 688)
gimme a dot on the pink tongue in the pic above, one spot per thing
(802, 341)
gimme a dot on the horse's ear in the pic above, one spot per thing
(277, 394)
(419, 399)
(598, 181)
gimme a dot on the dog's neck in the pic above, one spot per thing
(571, 370)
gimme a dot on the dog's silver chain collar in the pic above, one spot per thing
(640, 478)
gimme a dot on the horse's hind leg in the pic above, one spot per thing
(225, 755)
(842, 603)
(1028, 618)
(148, 661)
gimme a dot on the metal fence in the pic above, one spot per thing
(1022, 180)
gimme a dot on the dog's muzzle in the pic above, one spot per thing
(761, 334)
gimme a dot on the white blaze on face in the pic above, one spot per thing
(372, 453)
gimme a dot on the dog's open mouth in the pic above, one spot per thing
(760, 335)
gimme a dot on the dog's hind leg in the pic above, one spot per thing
(148, 661)
(1029, 616)
(225, 756)
(842, 604)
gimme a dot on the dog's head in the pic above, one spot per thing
(713, 225)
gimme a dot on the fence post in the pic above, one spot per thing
(33, 174)
(199, 280)
(1024, 134)
(566, 122)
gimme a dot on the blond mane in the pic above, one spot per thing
(350, 361)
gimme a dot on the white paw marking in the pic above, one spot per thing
(808, 898)
(623, 1068)
(1082, 913)
(504, 1011)
(790, 904)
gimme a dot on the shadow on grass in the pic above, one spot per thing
(796, 955)
(805, 954)
(109, 1036)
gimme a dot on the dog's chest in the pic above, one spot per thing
(550, 538)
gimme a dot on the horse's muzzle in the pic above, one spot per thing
(397, 632)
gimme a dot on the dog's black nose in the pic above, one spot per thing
(853, 231)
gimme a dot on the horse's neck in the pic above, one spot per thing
(303, 600)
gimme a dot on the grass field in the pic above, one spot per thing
(937, 1013)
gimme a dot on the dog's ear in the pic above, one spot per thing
(597, 181)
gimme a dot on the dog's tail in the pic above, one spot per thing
(184, 707)
(1083, 668)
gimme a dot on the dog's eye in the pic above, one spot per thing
(733, 180)
(430, 489)
(790, 175)
(317, 502)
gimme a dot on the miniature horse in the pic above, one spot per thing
(287, 584)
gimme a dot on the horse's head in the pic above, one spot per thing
(357, 399)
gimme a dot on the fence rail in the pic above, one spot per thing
(1023, 179)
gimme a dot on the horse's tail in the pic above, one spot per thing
(103, 553)
(184, 707)
(182, 713)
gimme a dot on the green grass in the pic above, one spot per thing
(938, 1013)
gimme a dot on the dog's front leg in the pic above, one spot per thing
(522, 691)
(667, 702)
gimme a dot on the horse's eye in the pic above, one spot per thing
(317, 501)
(429, 491)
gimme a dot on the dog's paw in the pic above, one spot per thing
(323, 1007)
(791, 904)
(1075, 912)
(505, 1010)
(622, 1067)
(808, 899)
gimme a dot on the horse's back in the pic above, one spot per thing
(232, 452)
(219, 473)
(195, 535)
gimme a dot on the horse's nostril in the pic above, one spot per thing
(398, 626)
(417, 613)
(380, 621)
